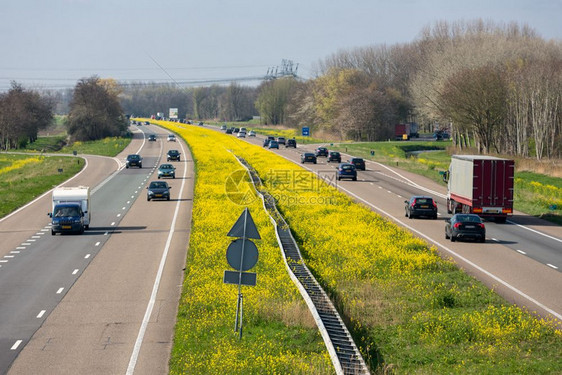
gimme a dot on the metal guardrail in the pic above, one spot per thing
(345, 355)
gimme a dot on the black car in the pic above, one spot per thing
(166, 170)
(334, 156)
(235, 130)
(173, 155)
(420, 206)
(273, 144)
(266, 142)
(465, 226)
(321, 151)
(152, 138)
(308, 157)
(281, 140)
(358, 162)
(291, 143)
(228, 131)
(346, 170)
(158, 190)
(133, 160)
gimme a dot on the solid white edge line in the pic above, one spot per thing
(552, 266)
(487, 273)
(144, 324)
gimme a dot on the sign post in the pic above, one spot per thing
(242, 255)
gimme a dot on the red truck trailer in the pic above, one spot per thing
(482, 185)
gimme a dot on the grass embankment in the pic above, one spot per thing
(23, 178)
(409, 310)
(110, 146)
(534, 193)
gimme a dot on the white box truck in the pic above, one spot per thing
(78, 195)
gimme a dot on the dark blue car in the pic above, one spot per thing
(346, 170)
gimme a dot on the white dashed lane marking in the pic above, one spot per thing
(552, 266)
(75, 271)
(521, 252)
(15, 346)
(87, 256)
(40, 315)
(60, 290)
(98, 243)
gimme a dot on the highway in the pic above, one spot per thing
(104, 301)
(521, 260)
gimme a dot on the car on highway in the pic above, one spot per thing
(173, 155)
(147, 123)
(281, 140)
(228, 131)
(251, 133)
(235, 130)
(201, 123)
(133, 160)
(67, 218)
(273, 144)
(358, 162)
(166, 170)
(171, 138)
(266, 142)
(419, 205)
(462, 226)
(308, 157)
(291, 143)
(158, 190)
(223, 127)
(241, 134)
(152, 138)
(321, 151)
(346, 170)
(334, 156)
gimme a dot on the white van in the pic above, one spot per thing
(79, 195)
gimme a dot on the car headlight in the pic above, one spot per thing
(150, 192)
(76, 221)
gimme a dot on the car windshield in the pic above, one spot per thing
(173, 152)
(158, 185)
(67, 211)
(166, 166)
(133, 157)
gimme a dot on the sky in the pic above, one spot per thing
(54, 43)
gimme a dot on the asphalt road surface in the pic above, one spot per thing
(105, 301)
(521, 260)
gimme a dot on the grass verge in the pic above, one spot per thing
(23, 178)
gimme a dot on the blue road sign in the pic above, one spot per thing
(306, 131)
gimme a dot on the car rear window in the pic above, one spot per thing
(424, 200)
(156, 185)
(347, 167)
